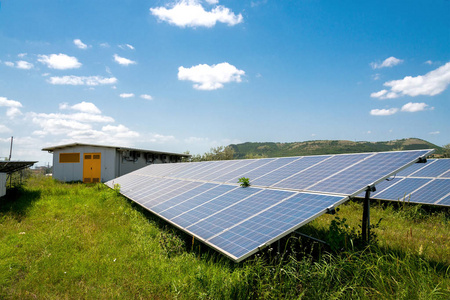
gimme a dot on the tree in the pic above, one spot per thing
(446, 150)
(218, 153)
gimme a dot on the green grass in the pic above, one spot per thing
(75, 241)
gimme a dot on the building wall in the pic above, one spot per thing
(114, 163)
(126, 163)
(74, 171)
(2, 184)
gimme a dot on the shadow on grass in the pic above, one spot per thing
(17, 201)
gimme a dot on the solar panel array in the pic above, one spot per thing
(423, 183)
(205, 200)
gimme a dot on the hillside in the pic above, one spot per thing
(269, 149)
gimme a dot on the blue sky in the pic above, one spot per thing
(191, 75)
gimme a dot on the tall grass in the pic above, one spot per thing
(77, 241)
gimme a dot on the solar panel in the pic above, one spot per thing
(370, 169)
(422, 183)
(439, 167)
(205, 200)
(402, 189)
(445, 201)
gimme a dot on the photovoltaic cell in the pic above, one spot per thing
(205, 200)
(414, 178)
(446, 174)
(188, 194)
(237, 212)
(225, 169)
(414, 168)
(192, 169)
(445, 201)
(368, 171)
(198, 200)
(320, 171)
(208, 208)
(271, 178)
(172, 193)
(402, 190)
(435, 169)
(259, 230)
(264, 169)
(432, 192)
(235, 174)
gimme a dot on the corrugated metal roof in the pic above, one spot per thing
(119, 148)
(13, 166)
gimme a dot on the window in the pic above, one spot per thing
(69, 157)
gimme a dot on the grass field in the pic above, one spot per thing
(70, 241)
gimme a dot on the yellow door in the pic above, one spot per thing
(92, 164)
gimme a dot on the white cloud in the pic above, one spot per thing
(59, 61)
(4, 129)
(210, 77)
(86, 107)
(160, 138)
(105, 45)
(13, 112)
(414, 107)
(212, 1)
(82, 80)
(78, 125)
(77, 117)
(435, 132)
(126, 46)
(387, 63)
(380, 94)
(146, 97)
(376, 76)
(80, 44)
(126, 95)
(429, 62)
(430, 84)
(123, 61)
(191, 13)
(119, 131)
(21, 55)
(383, 112)
(9, 103)
(21, 64)
(258, 3)
(13, 106)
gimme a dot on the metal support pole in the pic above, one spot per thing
(365, 228)
(366, 217)
(10, 149)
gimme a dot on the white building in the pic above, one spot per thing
(96, 163)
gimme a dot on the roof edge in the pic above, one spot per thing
(53, 148)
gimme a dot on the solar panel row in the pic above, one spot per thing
(338, 174)
(205, 200)
(424, 183)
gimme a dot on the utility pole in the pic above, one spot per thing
(10, 149)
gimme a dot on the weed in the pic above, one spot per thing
(341, 236)
(117, 188)
(245, 182)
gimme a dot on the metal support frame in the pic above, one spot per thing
(365, 228)
(311, 238)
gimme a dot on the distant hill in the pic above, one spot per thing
(249, 150)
